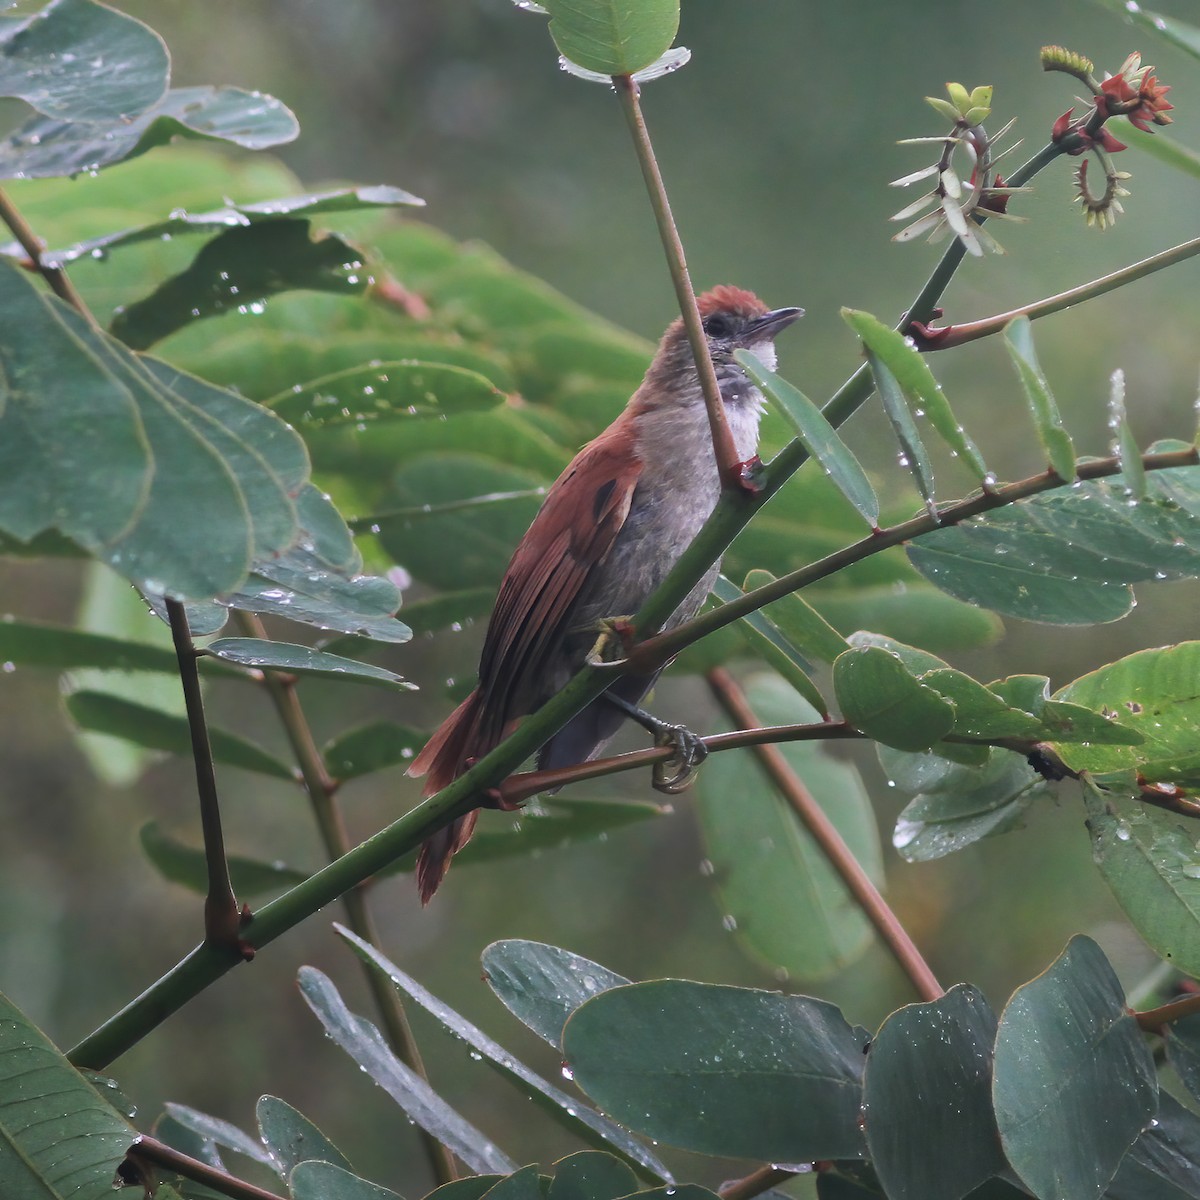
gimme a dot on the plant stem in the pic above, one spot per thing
(648, 655)
(321, 788)
(732, 514)
(206, 963)
(151, 1151)
(723, 447)
(56, 277)
(754, 1184)
(1153, 1020)
(945, 337)
(812, 816)
(221, 918)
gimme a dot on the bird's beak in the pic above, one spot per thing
(769, 324)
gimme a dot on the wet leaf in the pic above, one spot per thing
(183, 864)
(291, 1138)
(913, 455)
(1056, 442)
(46, 146)
(78, 61)
(327, 1181)
(1074, 1080)
(722, 1070)
(285, 656)
(819, 438)
(543, 985)
(882, 699)
(613, 38)
(364, 1043)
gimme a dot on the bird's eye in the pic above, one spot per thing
(718, 325)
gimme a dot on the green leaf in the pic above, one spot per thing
(223, 1133)
(908, 612)
(326, 1181)
(1056, 442)
(543, 985)
(912, 374)
(1161, 1164)
(185, 865)
(880, 698)
(32, 644)
(472, 1187)
(1153, 693)
(1149, 859)
(912, 449)
(46, 146)
(1125, 444)
(591, 1175)
(480, 540)
(1179, 34)
(385, 391)
(79, 61)
(157, 730)
(520, 1185)
(580, 1120)
(363, 1042)
(1074, 1080)
(955, 805)
(782, 898)
(1183, 1051)
(181, 222)
(817, 436)
(371, 748)
(799, 622)
(285, 656)
(722, 1070)
(58, 1137)
(82, 463)
(610, 37)
(281, 449)
(238, 271)
(297, 585)
(774, 647)
(549, 825)
(927, 1098)
(291, 1138)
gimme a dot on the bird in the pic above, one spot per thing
(608, 532)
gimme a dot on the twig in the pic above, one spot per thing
(1155, 1020)
(730, 517)
(56, 277)
(946, 336)
(321, 788)
(148, 1152)
(222, 921)
(733, 700)
(723, 447)
(649, 655)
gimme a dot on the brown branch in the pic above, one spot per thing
(1155, 1020)
(56, 277)
(945, 336)
(148, 1152)
(723, 448)
(649, 656)
(733, 700)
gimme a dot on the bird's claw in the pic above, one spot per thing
(677, 773)
(612, 629)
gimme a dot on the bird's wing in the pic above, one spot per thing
(571, 535)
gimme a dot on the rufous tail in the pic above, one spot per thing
(442, 760)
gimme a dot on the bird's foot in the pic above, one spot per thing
(618, 630)
(677, 773)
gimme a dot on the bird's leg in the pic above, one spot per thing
(677, 773)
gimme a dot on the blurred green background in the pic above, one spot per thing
(777, 143)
